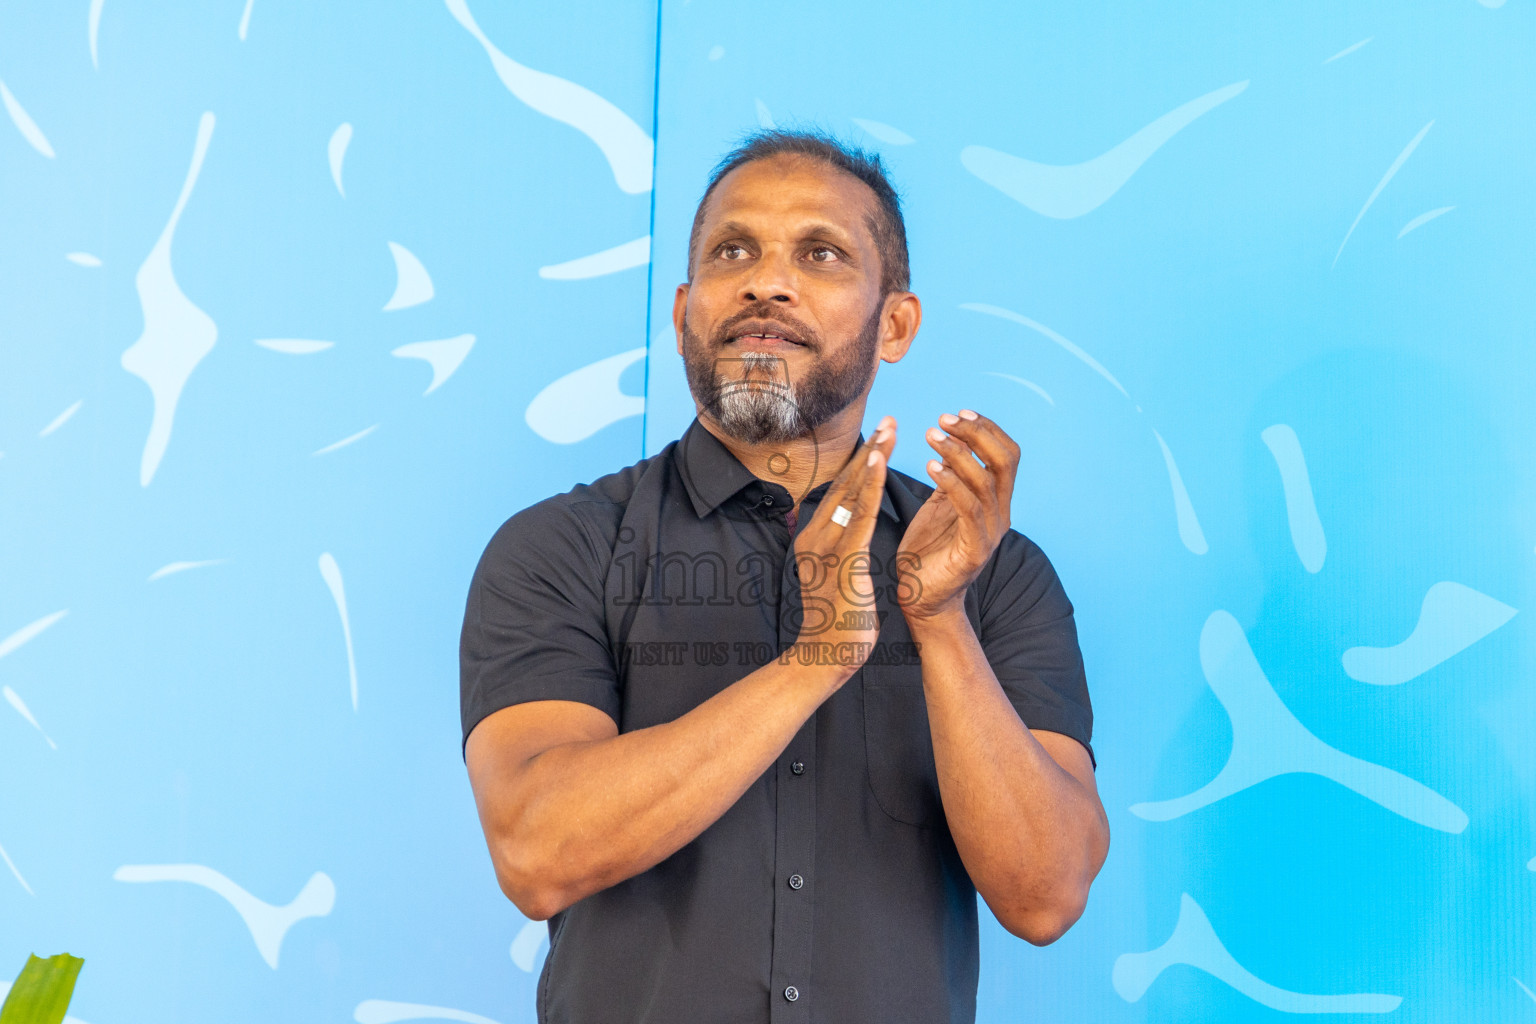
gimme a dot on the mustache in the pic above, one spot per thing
(765, 311)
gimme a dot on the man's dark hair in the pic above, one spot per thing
(886, 224)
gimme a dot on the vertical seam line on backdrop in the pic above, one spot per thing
(650, 268)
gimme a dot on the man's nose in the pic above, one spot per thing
(772, 280)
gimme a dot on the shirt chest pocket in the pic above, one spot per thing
(899, 746)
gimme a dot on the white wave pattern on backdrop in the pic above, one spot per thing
(177, 334)
(1300, 508)
(350, 439)
(331, 573)
(1397, 165)
(1194, 942)
(267, 923)
(1190, 533)
(14, 700)
(336, 152)
(525, 947)
(1424, 218)
(15, 871)
(83, 259)
(1071, 191)
(245, 19)
(1268, 741)
(24, 123)
(626, 146)
(172, 568)
(1349, 50)
(579, 404)
(445, 356)
(385, 1011)
(294, 346)
(1074, 350)
(93, 29)
(1452, 618)
(884, 132)
(61, 419)
(413, 285)
(636, 253)
(29, 632)
(1036, 388)
(764, 116)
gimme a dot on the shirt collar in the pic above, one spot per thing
(712, 475)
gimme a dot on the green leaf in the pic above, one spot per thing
(41, 994)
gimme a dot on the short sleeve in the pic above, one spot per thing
(1030, 640)
(534, 624)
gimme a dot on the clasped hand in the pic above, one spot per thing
(945, 545)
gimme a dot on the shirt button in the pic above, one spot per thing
(791, 993)
(798, 767)
(795, 881)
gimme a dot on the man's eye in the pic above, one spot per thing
(823, 254)
(732, 251)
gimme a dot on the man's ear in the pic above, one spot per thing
(899, 321)
(679, 309)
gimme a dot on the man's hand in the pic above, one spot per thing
(832, 560)
(960, 525)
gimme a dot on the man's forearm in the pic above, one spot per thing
(584, 816)
(570, 807)
(1031, 835)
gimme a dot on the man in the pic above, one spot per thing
(754, 720)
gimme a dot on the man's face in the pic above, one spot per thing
(780, 328)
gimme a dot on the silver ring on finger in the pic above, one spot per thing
(841, 516)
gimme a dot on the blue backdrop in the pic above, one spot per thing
(298, 302)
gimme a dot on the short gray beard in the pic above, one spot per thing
(761, 404)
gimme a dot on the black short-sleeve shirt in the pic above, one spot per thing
(832, 890)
